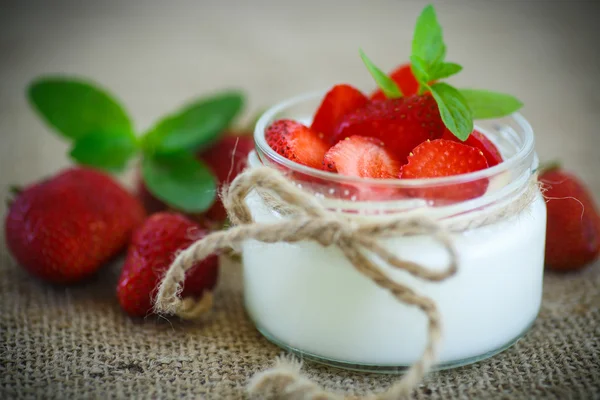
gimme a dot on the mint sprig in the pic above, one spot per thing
(103, 137)
(182, 181)
(106, 150)
(458, 107)
(428, 42)
(485, 104)
(74, 107)
(196, 126)
(454, 110)
(387, 84)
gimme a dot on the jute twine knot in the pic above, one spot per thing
(306, 219)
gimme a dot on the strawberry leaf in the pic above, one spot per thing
(485, 104)
(385, 83)
(428, 43)
(105, 150)
(180, 180)
(454, 110)
(196, 126)
(75, 108)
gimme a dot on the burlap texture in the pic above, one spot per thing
(76, 343)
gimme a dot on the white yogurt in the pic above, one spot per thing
(310, 298)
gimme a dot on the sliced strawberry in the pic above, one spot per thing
(365, 157)
(439, 158)
(481, 142)
(339, 101)
(402, 124)
(404, 78)
(297, 142)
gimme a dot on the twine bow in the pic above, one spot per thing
(309, 220)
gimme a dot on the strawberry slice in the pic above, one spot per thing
(365, 157)
(404, 78)
(438, 158)
(480, 141)
(297, 142)
(339, 101)
(402, 124)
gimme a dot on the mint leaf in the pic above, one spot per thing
(106, 150)
(196, 126)
(420, 69)
(443, 70)
(75, 108)
(454, 110)
(385, 83)
(181, 181)
(428, 43)
(485, 104)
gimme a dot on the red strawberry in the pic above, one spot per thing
(297, 142)
(65, 228)
(152, 250)
(226, 158)
(480, 141)
(402, 124)
(573, 226)
(438, 158)
(339, 101)
(361, 156)
(404, 78)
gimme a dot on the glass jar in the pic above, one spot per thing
(308, 299)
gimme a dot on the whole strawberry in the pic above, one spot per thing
(152, 249)
(573, 227)
(65, 228)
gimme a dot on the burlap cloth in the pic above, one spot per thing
(76, 343)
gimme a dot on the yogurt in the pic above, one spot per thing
(309, 299)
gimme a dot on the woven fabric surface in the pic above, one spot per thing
(76, 343)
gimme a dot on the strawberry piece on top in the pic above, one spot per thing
(364, 157)
(402, 124)
(440, 158)
(339, 101)
(480, 141)
(297, 142)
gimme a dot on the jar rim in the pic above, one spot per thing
(523, 152)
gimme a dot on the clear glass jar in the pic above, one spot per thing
(308, 299)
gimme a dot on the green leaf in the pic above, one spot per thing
(428, 43)
(485, 104)
(454, 110)
(181, 181)
(75, 108)
(387, 84)
(196, 126)
(106, 150)
(443, 70)
(419, 69)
